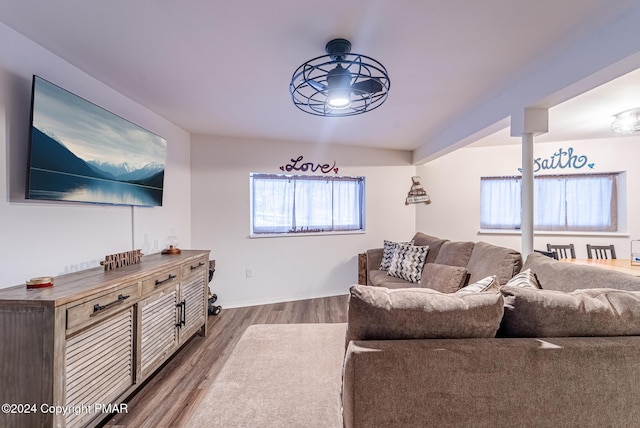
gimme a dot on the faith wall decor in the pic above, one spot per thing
(561, 159)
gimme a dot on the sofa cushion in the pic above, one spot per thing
(563, 276)
(487, 284)
(454, 253)
(590, 312)
(488, 259)
(526, 278)
(407, 262)
(378, 313)
(380, 278)
(443, 278)
(434, 244)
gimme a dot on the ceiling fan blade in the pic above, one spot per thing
(370, 86)
(316, 85)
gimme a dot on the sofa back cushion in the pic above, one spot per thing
(378, 313)
(454, 253)
(562, 276)
(420, 239)
(530, 312)
(488, 259)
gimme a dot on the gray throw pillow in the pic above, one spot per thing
(378, 313)
(590, 312)
(443, 278)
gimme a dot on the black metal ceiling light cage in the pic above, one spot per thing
(340, 83)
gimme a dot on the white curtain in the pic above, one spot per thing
(585, 202)
(590, 203)
(283, 203)
(272, 205)
(347, 212)
(313, 204)
(500, 202)
(549, 203)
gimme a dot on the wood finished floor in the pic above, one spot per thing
(169, 398)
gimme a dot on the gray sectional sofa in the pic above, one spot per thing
(564, 352)
(478, 260)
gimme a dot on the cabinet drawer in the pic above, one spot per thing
(105, 304)
(167, 277)
(195, 267)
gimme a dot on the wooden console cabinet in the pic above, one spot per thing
(71, 353)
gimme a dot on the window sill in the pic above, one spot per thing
(292, 235)
(553, 233)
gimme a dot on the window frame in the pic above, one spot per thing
(292, 230)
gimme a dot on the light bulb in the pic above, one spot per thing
(339, 101)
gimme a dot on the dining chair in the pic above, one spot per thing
(563, 251)
(601, 251)
(551, 254)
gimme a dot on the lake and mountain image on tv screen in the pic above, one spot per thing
(81, 152)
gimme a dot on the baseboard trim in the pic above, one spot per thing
(281, 299)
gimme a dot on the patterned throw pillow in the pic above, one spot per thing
(407, 262)
(387, 253)
(526, 279)
(489, 283)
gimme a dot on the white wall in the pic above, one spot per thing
(294, 267)
(39, 238)
(453, 182)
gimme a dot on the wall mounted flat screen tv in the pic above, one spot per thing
(80, 152)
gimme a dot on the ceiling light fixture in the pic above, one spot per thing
(340, 83)
(627, 122)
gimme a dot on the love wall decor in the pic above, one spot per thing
(298, 165)
(561, 159)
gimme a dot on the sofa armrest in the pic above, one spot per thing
(374, 258)
(492, 382)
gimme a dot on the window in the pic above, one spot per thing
(587, 202)
(306, 204)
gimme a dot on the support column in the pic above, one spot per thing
(528, 123)
(526, 222)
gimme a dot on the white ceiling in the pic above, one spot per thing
(587, 116)
(223, 68)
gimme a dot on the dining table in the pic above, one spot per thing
(619, 265)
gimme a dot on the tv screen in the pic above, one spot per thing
(80, 152)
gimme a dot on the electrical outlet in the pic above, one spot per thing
(248, 272)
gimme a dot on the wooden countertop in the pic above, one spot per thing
(620, 265)
(90, 281)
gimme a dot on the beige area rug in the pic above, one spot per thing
(278, 375)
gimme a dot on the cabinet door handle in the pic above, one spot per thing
(182, 309)
(98, 308)
(169, 278)
(197, 266)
